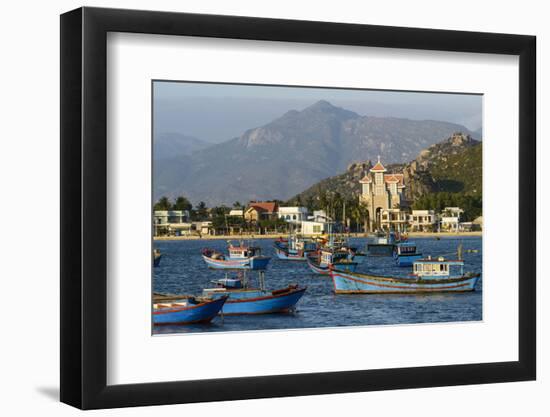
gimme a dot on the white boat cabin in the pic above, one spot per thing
(438, 268)
(243, 252)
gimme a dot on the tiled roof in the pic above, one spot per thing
(378, 167)
(366, 179)
(391, 178)
(268, 206)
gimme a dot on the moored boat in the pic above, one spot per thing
(406, 253)
(244, 299)
(429, 276)
(321, 262)
(186, 310)
(381, 244)
(240, 257)
(294, 249)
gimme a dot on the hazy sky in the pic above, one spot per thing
(218, 112)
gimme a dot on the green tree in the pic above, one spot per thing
(182, 203)
(201, 211)
(163, 203)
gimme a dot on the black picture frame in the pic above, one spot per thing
(84, 207)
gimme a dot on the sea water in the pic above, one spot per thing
(183, 271)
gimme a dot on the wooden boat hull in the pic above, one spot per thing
(320, 269)
(255, 263)
(286, 255)
(198, 313)
(353, 283)
(261, 302)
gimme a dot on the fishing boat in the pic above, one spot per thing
(240, 257)
(245, 299)
(381, 244)
(156, 257)
(429, 276)
(321, 261)
(186, 310)
(406, 253)
(295, 248)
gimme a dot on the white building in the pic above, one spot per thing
(450, 218)
(319, 216)
(310, 228)
(423, 221)
(164, 220)
(393, 219)
(292, 214)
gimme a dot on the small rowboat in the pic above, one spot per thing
(429, 276)
(244, 300)
(187, 310)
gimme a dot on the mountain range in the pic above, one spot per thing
(290, 154)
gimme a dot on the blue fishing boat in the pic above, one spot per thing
(294, 249)
(321, 261)
(156, 257)
(406, 253)
(244, 299)
(240, 257)
(429, 276)
(186, 310)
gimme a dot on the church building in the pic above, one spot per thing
(382, 195)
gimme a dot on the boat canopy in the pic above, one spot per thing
(438, 267)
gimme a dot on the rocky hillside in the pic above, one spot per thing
(453, 165)
(293, 152)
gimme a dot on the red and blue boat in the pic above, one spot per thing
(240, 257)
(186, 310)
(429, 276)
(406, 253)
(245, 300)
(322, 261)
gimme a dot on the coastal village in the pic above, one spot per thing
(382, 202)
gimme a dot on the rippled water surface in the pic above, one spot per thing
(182, 271)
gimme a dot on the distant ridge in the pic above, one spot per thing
(293, 152)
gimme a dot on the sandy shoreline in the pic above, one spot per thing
(278, 235)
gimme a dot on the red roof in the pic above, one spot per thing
(366, 179)
(391, 178)
(268, 206)
(378, 167)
